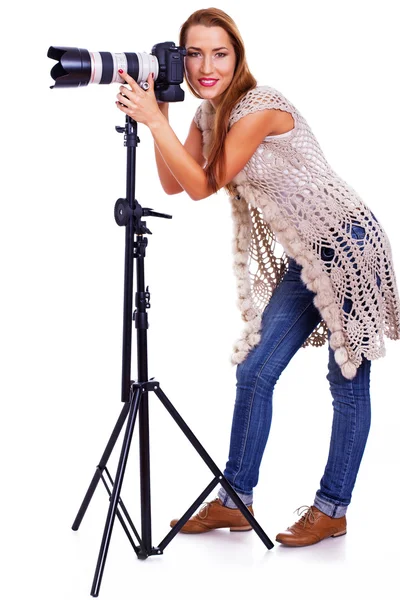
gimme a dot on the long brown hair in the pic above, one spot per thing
(242, 82)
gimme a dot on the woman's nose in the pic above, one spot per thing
(206, 66)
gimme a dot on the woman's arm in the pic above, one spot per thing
(193, 145)
(241, 142)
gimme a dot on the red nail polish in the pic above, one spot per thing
(120, 71)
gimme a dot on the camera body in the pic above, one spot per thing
(170, 72)
(78, 67)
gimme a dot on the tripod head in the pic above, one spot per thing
(123, 212)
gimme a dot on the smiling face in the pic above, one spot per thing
(210, 61)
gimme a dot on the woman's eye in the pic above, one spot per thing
(196, 54)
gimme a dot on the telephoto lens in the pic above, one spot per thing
(78, 67)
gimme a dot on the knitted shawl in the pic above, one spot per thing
(288, 202)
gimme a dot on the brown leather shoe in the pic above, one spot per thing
(313, 527)
(213, 515)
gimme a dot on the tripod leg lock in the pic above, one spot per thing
(143, 299)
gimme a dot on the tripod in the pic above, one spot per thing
(129, 213)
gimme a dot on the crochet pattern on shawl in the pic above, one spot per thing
(288, 194)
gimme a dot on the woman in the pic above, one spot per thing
(334, 281)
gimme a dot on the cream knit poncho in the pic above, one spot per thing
(288, 193)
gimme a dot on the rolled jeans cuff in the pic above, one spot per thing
(329, 508)
(226, 500)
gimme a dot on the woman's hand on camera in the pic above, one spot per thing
(139, 104)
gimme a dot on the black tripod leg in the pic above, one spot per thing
(213, 467)
(134, 406)
(101, 466)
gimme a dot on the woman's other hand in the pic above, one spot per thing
(139, 104)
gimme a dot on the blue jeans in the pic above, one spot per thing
(287, 321)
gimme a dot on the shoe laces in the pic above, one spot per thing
(203, 512)
(306, 513)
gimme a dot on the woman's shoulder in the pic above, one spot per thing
(261, 94)
(259, 98)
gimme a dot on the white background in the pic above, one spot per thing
(63, 167)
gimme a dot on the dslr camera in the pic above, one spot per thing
(78, 67)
